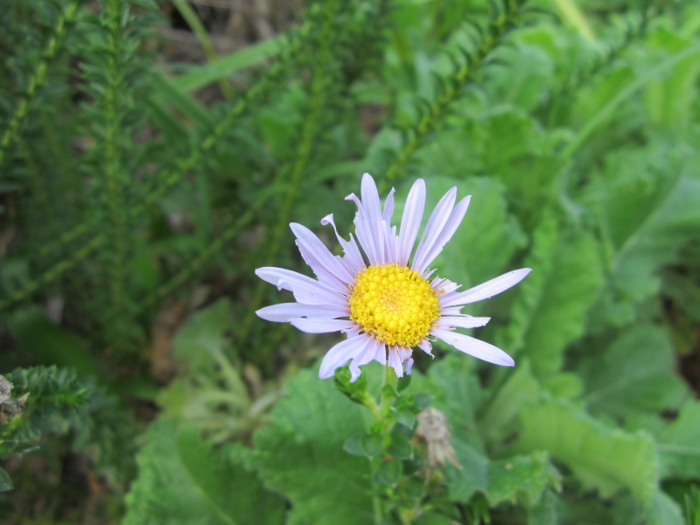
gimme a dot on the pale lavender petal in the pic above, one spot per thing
(461, 322)
(408, 365)
(474, 347)
(284, 312)
(322, 326)
(321, 260)
(373, 352)
(410, 221)
(305, 289)
(341, 353)
(426, 347)
(389, 207)
(353, 257)
(452, 310)
(486, 290)
(435, 224)
(364, 232)
(395, 362)
(373, 208)
(446, 233)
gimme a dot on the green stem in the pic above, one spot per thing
(303, 153)
(36, 80)
(453, 89)
(112, 157)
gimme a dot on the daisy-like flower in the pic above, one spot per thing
(385, 306)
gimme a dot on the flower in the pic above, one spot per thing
(385, 307)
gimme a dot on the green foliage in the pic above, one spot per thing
(602, 458)
(54, 401)
(138, 189)
(184, 480)
(301, 454)
(635, 374)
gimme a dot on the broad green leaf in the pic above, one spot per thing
(670, 99)
(637, 373)
(544, 512)
(558, 317)
(300, 454)
(184, 480)
(523, 477)
(602, 458)
(665, 511)
(679, 444)
(545, 240)
(647, 210)
(502, 408)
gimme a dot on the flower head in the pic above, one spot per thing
(385, 306)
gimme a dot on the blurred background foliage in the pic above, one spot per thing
(151, 157)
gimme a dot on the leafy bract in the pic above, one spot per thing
(301, 454)
(601, 458)
(183, 480)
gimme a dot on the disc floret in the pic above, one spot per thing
(394, 303)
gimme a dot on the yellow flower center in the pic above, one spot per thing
(394, 304)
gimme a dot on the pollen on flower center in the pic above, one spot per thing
(394, 303)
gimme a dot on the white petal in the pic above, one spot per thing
(410, 221)
(373, 208)
(342, 353)
(395, 362)
(437, 220)
(453, 310)
(284, 312)
(389, 207)
(426, 347)
(486, 290)
(322, 326)
(374, 352)
(305, 289)
(446, 233)
(474, 347)
(353, 258)
(321, 260)
(461, 322)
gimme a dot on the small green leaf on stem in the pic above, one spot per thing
(400, 447)
(389, 473)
